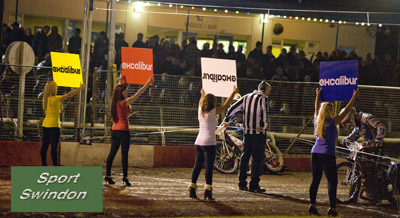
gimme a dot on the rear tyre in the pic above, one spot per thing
(226, 161)
(394, 199)
(273, 156)
(393, 188)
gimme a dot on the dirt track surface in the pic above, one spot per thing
(162, 192)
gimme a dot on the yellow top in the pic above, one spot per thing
(53, 110)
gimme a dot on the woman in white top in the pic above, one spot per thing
(206, 140)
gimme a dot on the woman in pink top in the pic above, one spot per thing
(120, 134)
(205, 141)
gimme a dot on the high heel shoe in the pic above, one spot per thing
(332, 212)
(109, 180)
(192, 190)
(126, 182)
(208, 193)
(313, 211)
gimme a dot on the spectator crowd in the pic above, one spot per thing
(173, 59)
(178, 66)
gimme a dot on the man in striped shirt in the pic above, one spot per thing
(254, 106)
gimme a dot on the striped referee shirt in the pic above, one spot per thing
(254, 106)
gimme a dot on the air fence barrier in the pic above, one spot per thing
(166, 114)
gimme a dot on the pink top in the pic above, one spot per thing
(123, 113)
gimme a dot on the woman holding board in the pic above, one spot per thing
(51, 123)
(205, 142)
(120, 135)
(323, 153)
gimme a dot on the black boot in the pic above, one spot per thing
(332, 212)
(192, 190)
(208, 194)
(313, 211)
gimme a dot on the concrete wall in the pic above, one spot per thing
(14, 153)
(96, 154)
(71, 9)
(204, 22)
(72, 154)
(135, 23)
(325, 34)
(148, 156)
(174, 156)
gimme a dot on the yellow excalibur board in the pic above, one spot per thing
(66, 69)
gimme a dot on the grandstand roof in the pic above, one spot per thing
(383, 11)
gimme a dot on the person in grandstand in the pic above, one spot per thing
(369, 127)
(205, 143)
(254, 107)
(51, 123)
(323, 153)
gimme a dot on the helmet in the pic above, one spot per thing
(236, 97)
(349, 118)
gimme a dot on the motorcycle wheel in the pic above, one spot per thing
(273, 156)
(394, 198)
(348, 188)
(225, 161)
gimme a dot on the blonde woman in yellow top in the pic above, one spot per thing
(51, 123)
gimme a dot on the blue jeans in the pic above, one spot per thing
(253, 146)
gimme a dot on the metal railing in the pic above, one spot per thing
(166, 114)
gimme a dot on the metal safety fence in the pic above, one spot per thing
(166, 113)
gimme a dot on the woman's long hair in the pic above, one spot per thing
(50, 90)
(208, 103)
(116, 98)
(324, 115)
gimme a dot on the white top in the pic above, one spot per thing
(207, 125)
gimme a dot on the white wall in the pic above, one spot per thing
(323, 33)
(72, 9)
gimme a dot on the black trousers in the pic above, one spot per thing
(253, 146)
(50, 136)
(119, 138)
(324, 163)
(204, 154)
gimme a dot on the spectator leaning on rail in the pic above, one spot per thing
(205, 142)
(323, 153)
(254, 107)
(367, 126)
